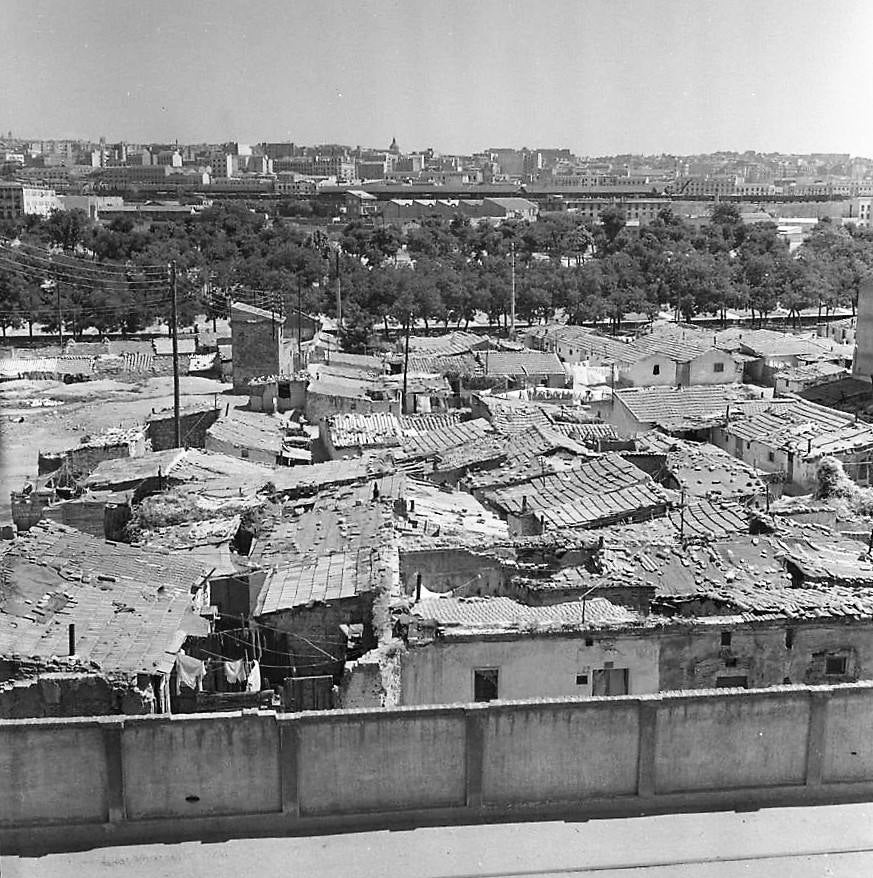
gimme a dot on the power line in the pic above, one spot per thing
(36, 252)
(40, 275)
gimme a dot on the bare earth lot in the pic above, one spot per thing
(85, 409)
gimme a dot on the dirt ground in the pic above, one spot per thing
(65, 413)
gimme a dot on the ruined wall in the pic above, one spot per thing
(132, 779)
(71, 694)
(193, 427)
(322, 405)
(446, 569)
(257, 351)
(766, 656)
(84, 458)
(310, 637)
(84, 514)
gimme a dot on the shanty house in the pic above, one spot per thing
(351, 435)
(117, 614)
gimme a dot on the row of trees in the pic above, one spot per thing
(591, 272)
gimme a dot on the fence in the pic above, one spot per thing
(117, 780)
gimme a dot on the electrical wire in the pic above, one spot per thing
(36, 252)
(39, 275)
(224, 658)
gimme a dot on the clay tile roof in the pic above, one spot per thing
(599, 476)
(353, 429)
(492, 613)
(132, 606)
(427, 439)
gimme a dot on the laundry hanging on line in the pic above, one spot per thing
(189, 672)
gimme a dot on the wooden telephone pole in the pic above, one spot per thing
(174, 331)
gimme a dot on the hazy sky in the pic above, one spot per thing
(646, 76)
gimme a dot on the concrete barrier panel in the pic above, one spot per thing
(848, 751)
(52, 774)
(724, 742)
(195, 767)
(370, 762)
(546, 753)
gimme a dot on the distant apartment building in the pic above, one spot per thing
(290, 183)
(641, 210)
(859, 211)
(372, 169)
(131, 175)
(18, 199)
(400, 210)
(704, 186)
(756, 190)
(360, 204)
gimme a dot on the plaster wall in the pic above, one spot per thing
(527, 750)
(441, 672)
(197, 767)
(123, 780)
(360, 762)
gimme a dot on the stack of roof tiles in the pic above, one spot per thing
(379, 429)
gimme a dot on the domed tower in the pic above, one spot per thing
(394, 147)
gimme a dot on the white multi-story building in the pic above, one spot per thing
(18, 200)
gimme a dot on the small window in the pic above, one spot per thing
(244, 453)
(610, 681)
(656, 369)
(789, 638)
(726, 637)
(771, 456)
(835, 665)
(581, 679)
(718, 367)
(485, 684)
(589, 641)
(732, 681)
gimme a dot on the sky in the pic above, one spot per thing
(595, 76)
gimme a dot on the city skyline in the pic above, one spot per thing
(468, 79)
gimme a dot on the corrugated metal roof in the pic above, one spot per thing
(326, 578)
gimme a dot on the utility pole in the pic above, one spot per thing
(339, 293)
(682, 517)
(60, 315)
(299, 324)
(406, 361)
(512, 300)
(174, 329)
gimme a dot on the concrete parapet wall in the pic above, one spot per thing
(119, 780)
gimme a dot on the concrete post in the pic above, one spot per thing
(648, 717)
(114, 771)
(817, 737)
(288, 762)
(474, 745)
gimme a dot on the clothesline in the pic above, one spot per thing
(280, 667)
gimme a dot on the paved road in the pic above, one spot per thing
(834, 841)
